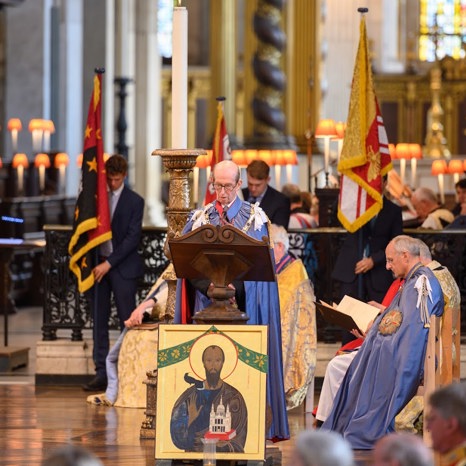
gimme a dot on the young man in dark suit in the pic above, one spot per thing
(275, 204)
(119, 265)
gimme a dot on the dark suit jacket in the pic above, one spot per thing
(275, 204)
(126, 234)
(387, 225)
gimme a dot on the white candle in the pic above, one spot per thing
(278, 176)
(180, 78)
(340, 147)
(36, 140)
(196, 186)
(46, 141)
(41, 178)
(402, 170)
(289, 172)
(441, 188)
(14, 140)
(20, 169)
(61, 178)
(326, 154)
(413, 172)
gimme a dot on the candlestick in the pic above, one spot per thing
(46, 141)
(180, 78)
(61, 178)
(288, 172)
(14, 140)
(37, 140)
(402, 170)
(41, 178)
(413, 172)
(441, 187)
(20, 171)
(278, 176)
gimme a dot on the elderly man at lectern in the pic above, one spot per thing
(258, 299)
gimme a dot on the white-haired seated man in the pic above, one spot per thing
(298, 321)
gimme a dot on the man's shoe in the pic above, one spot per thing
(97, 384)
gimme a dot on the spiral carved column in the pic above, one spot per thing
(269, 118)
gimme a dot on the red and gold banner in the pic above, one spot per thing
(220, 151)
(365, 157)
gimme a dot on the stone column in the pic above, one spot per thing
(147, 169)
(223, 59)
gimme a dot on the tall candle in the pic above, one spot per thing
(14, 140)
(289, 172)
(413, 172)
(326, 153)
(42, 178)
(37, 140)
(61, 178)
(46, 141)
(20, 170)
(278, 176)
(180, 78)
(402, 170)
(441, 187)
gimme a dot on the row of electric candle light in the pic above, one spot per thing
(441, 168)
(40, 129)
(41, 162)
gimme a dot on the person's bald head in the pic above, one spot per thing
(226, 181)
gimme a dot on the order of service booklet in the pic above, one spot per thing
(349, 314)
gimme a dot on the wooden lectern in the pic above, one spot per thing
(221, 255)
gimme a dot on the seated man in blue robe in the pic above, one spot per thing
(258, 299)
(387, 370)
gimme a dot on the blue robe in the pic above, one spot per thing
(262, 307)
(387, 370)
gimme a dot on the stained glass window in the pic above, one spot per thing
(442, 29)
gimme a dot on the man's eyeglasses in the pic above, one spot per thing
(227, 187)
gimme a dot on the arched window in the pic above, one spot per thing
(442, 29)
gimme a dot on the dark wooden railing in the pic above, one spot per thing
(66, 308)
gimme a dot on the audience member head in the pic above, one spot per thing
(402, 254)
(460, 188)
(71, 455)
(293, 193)
(116, 169)
(424, 201)
(322, 448)
(446, 417)
(424, 253)
(402, 450)
(258, 177)
(308, 201)
(226, 179)
(280, 240)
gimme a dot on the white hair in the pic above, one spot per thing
(404, 449)
(323, 448)
(279, 235)
(424, 251)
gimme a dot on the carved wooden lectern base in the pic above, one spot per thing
(221, 255)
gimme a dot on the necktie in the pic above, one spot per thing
(224, 218)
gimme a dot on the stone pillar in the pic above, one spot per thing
(223, 63)
(147, 169)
